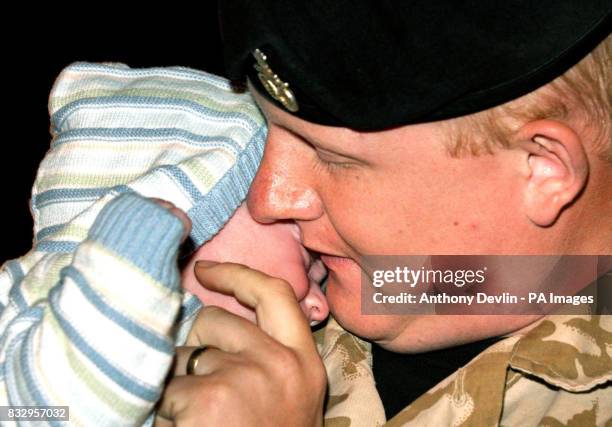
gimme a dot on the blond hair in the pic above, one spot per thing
(582, 95)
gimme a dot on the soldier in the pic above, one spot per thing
(436, 127)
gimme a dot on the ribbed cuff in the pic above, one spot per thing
(142, 232)
(211, 213)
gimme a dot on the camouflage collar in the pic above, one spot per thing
(570, 352)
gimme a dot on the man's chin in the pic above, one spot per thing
(345, 306)
(399, 333)
(408, 333)
(420, 333)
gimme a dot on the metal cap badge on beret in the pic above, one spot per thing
(373, 65)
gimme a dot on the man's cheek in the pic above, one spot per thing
(367, 231)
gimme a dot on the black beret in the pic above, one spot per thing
(372, 65)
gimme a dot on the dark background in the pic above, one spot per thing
(33, 55)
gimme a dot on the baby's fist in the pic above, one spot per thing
(177, 213)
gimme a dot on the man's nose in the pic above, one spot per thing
(283, 187)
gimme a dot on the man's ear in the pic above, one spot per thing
(557, 169)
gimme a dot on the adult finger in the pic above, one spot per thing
(246, 393)
(162, 422)
(219, 328)
(217, 399)
(178, 398)
(274, 302)
(208, 361)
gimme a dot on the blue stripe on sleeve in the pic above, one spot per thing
(17, 393)
(47, 231)
(16, 297)
(27, 356)
(56, 246)
(19, 352)
(28, 316)
(67, 195)
(145, 335)
(15, 271)
(122, 379)
(27, 360)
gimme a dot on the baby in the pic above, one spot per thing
(274, 249)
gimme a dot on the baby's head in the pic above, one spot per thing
(274, 249)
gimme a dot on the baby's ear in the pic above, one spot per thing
(556, 168)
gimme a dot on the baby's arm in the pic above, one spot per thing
(102, 340)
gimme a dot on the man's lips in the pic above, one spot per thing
(329, 257)
(319, 249)
(333, 262)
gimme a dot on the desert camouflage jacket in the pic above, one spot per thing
(556, 374)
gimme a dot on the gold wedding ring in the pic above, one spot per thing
(192, 362)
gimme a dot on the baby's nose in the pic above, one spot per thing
(314, 305)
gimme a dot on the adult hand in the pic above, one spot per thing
(268, 374)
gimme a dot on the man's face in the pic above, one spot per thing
(395, 192)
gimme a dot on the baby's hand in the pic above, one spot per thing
(177, 213)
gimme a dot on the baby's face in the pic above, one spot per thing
(274, 249)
